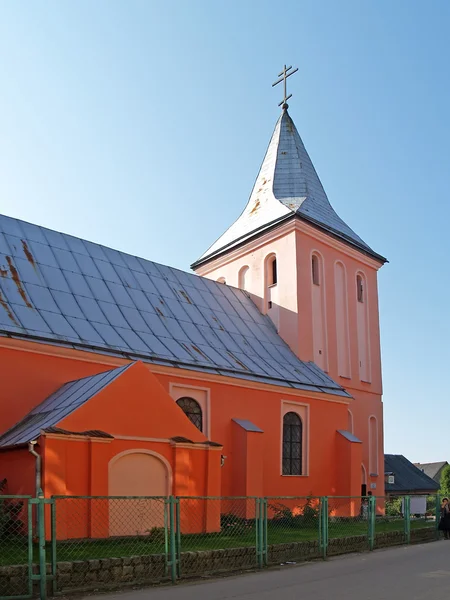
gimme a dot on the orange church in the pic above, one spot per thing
(257, 375)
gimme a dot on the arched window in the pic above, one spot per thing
(192, 410)
(315, 271)
(292, 444)
(360, 288)
(243, 278)
(272, 274)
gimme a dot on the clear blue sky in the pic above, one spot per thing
(142, 124)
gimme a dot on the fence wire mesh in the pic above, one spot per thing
(348, 524)
(216, 534)
(15, 546)
(293, 528)
(99, 542)
(113, 540)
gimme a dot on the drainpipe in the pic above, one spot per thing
(37, 456)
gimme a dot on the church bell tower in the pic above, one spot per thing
(314, 276)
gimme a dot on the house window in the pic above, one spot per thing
(360, 288)
(292, 444)
(315, 270)
(192, 410)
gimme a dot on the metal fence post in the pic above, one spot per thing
(265, 533)
(371, 519)
(407, 518)
(41, 543)
(173, 550)
(30, 547)
(324, 526)
(53, 538)
(178, 531)
(258, 531)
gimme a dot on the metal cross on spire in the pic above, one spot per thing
(285, 73)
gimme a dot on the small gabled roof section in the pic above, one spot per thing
(408, 478)
(57, 406)
(287, 186)
(349, 436)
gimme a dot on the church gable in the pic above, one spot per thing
(58, 289)
(127, 401)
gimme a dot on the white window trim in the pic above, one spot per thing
(302, 410)
(181, 390)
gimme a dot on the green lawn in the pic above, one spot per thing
(14, 551)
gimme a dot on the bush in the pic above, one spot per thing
(283, 515)
(157, 534)
(394, 507)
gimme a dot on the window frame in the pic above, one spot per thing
(192, 414)
(200, 394)
(315, 269)
(360, 288)
(302, 411)
(294, 463)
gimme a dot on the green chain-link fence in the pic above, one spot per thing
(16, 547)
(65, 544)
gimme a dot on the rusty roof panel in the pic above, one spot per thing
(64, 290)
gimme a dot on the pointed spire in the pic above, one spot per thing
(287, 186)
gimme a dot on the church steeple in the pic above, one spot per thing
(287, 187)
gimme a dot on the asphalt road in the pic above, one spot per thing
(405, 573)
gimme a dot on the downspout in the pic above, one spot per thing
(38, 458)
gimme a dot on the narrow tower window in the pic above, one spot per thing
(360, 288)
(243, 278)
(362, 324)
(315, 270)
(273, 275)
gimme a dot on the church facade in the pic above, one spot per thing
(260, 375)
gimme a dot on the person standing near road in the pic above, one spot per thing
(444, 523)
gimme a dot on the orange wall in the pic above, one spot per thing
(18, 467)
(28, 378)
(263, 408)
(129, 409)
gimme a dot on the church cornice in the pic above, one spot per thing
(278, 230)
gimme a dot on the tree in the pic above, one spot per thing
(445, 482)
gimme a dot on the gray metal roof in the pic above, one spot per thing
(287, 185)
(248, 425)
(408, 478)
(349, 436)
(60, 289)
(56, 407)
(433, 470)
